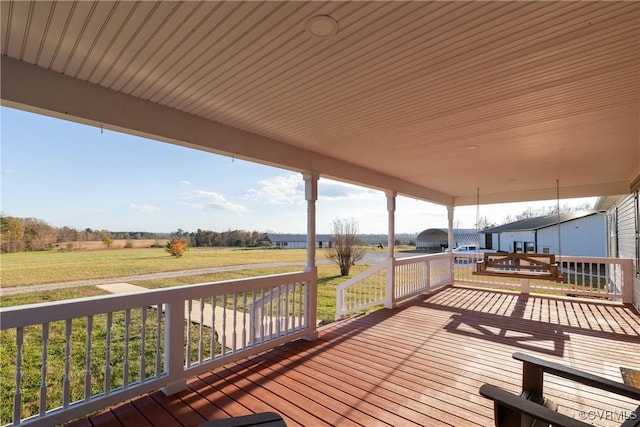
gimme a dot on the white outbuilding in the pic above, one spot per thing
(297, 241)
(578, 233)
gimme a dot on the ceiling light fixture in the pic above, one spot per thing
(321, 26)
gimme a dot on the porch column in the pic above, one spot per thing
(450, 242)
(311, 195)
(391, 243)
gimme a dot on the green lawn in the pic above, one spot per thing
(28, 268)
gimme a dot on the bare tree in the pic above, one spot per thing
(344, 250)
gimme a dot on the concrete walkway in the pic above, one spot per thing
(207, 311)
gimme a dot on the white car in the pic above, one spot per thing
(466, 249)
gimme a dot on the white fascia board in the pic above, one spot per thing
(46, 92)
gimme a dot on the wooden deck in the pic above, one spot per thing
(418, 365)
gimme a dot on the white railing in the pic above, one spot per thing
(420, 274)
(77, 356)
(277, 313)
(366, 290)
(607, 278)
(411, 276)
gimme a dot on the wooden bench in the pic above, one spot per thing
(528, 266)
(263, 419)
(532, 409)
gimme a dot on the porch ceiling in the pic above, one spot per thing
(430, 99)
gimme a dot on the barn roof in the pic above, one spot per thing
(456, 231)
(539, 222)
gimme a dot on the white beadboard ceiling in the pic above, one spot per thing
(506, 97)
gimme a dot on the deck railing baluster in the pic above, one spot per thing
(158, 361)
(212, 340)
(143, 339)
(187, 357)
(107, 368)
(235, 322)
(224, 325)
(17, 395)
(201, 331)
(43, 369)
(87, 363)
(66, 387)
(126, 370)
(244, 319)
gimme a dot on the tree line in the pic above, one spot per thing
(32, 234)
(208, 238)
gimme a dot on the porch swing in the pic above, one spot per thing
(521, 265)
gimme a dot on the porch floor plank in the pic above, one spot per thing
(154, 412)
(182, 412)
(420, 364)
(130, 415)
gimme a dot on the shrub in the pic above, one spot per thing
(176, 247)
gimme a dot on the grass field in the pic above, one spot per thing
(28, 268)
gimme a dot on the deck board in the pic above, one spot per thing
(154, 412)
(179, 410)
(419, 364)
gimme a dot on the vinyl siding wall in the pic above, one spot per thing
(581, 237)
(623, 229)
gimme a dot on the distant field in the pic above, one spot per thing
(28, 268)
(117, 243)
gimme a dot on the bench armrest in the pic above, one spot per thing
(580, 376)
(521, 405)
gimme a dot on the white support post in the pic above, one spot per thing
(311, 195)
(627, 281)
(391, 242)
(174, 357)
(450, 243)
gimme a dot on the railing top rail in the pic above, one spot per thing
(601, 260)
(370, 272)
(12, 317)
(412, 259)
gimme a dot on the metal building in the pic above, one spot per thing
(578, 233)
(435, 239)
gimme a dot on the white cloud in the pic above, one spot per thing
(9, 171)
(279, 190)
(339, 190)
(289, 190)
(143, 208)
(211, 200)
(185, 182)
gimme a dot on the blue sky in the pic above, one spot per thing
(80, 176)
